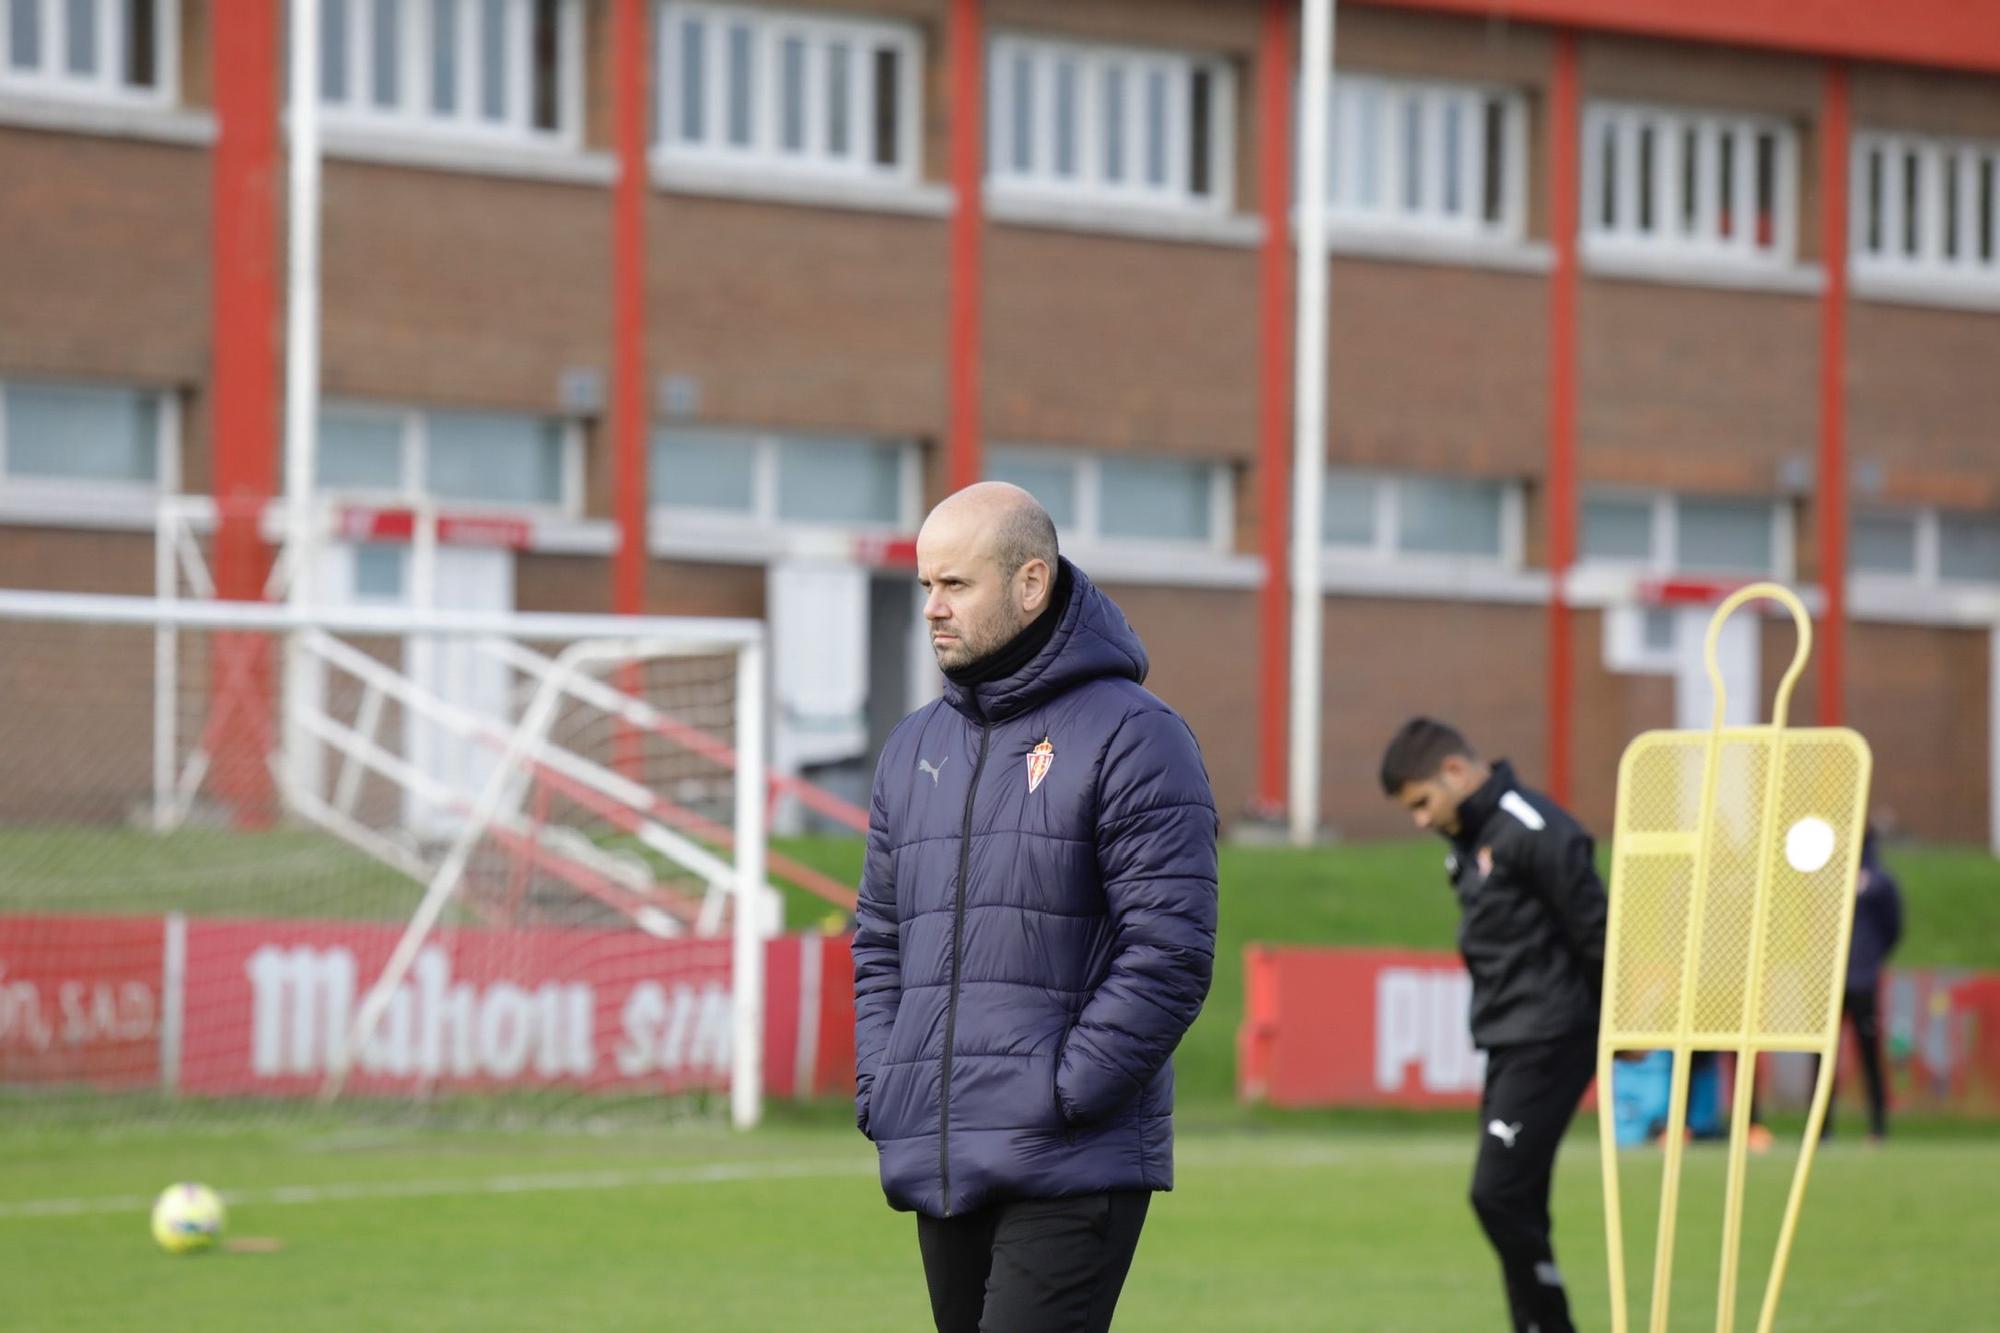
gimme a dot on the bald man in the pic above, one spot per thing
(1035, 932)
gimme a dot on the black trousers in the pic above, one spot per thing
(1862, 1010)
(1531, 1094)
(1032, 1265)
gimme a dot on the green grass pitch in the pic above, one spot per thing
(695, 1228)
(1304, 1221)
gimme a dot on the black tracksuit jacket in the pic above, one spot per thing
(1531, 914)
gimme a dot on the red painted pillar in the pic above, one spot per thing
(1833, 397)
(627, 415)
(967, 100)
(244, 273)
(628, 303)
(243, 205)
(1275, 67)
(1564, 141)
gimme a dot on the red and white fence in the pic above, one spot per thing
(255, 1008)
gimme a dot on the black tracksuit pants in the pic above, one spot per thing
(1862, 1010)
(1032, 1265)
(1531, 1094)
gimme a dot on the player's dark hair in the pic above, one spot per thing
(1418, 750)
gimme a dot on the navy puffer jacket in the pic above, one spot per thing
(1028, 950)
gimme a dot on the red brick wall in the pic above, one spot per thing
(1476, 666)
(104, 266)
(1098, 340)
(1920, 697)
(1437, 369)
(809, 318)
(446, 288)
(1200, 642)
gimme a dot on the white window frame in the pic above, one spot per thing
(414, 113)
(414, 429)
(1040, 183)
(765, 152)
(106, 84)
(1385, 547)
(762, 516)
(1665, 517)
(1087, 533)
(1937, 156)
(1669, 237)
(1391, 214)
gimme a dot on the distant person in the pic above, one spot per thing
(1035, 933)
(1531, 928)
(1878, 926)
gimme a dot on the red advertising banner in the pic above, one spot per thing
(1356, 1027)
(80, 1000)
(269, 1003)
(260, 1008)
(1366, 1027)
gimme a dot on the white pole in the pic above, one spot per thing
(746, 1079)
(302, 295)
(301, 377)
(1309, 420)
(1993, 738)
(166, 666)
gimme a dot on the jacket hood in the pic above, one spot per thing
(1092, 640)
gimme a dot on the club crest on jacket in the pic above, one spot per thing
(1039, 760)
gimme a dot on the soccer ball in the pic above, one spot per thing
(188, 1217)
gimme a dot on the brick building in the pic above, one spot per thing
(1770, 208)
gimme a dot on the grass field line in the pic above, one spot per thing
(1198, 1151)
(708, 1174)
(1248, 1152)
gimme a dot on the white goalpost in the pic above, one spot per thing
(559, 889)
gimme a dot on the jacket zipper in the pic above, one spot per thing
(951, 1002)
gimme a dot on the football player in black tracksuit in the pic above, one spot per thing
(1531, 928)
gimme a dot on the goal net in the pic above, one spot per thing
(401, 860)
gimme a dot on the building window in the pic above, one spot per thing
(1968, 547)
(487, 458)
(1686, 534)
(1885, 543)
(106, 49)
(85, 436)
(1925, 546)
(1412, 517)
(1111, 124)
(789, 91)
(838, 481)
(1427, 156)
(1926, 207)
(1687, 184)
(1723, 536)
(835, 481)
(507, 68)
(1101, 499)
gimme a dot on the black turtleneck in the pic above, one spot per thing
(1020, 650)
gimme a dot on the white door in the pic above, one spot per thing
(463, 578)
(1735, 654)
(818, 613)
(468, 578)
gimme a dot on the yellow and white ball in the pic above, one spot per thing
(188, 1217)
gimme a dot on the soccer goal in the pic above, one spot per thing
(273, 857)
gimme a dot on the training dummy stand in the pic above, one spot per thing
(1733, 867)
